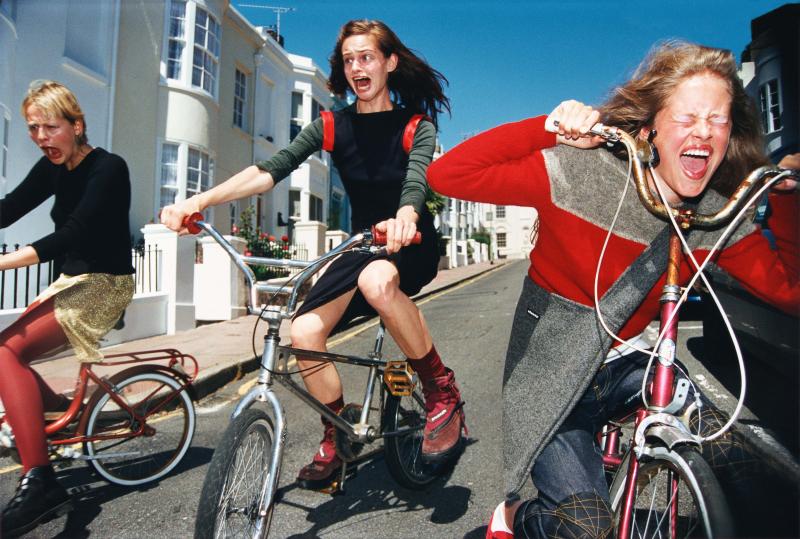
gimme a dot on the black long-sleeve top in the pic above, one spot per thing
(90, 213)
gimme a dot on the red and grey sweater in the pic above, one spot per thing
(576, 193)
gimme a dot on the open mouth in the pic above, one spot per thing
(51, 153)
(695, 161)
(361, 83)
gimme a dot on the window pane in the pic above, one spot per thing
(294, 130)
(297, 105)
(294, 203)
(199, 36)
(167, 196)
(169, 165)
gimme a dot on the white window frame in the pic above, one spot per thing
(186, 72)
(183, 169)
(296, 120)
(299, 195)
(5, 117)
(179, 39)
(500, 212)
(240, 99)
(771, 106)
(208, 48)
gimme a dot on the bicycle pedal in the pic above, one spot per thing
(400, 378)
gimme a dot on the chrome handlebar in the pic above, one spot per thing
(642, 154)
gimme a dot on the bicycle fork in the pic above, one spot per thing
(262, 392)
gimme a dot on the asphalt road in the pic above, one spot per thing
(470, 324)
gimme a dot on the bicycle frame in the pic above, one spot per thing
(274, 356)
(176, 366)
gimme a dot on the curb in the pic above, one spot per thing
(209, 382)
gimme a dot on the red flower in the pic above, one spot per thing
(285, 247)
(284, 238)
(262, 235)
(272, 238)
(248, 253)
(234, 230)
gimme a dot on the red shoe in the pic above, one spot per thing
(445, 419)
(498, 529)
(321, 472)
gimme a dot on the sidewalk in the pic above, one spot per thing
(224, 349)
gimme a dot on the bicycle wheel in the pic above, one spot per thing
(164, 418)
(404, 452)
(236, 479)
(676, 496)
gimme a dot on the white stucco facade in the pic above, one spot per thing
(72, 42)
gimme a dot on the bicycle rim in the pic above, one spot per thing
(147, 445)
(236, 480)
(677, 496)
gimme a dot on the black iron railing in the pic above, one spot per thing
(18, 287)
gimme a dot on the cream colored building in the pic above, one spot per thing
(200, 124)
(513, 230)
(188, 92)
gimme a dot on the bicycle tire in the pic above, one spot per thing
(403, 453)
(146, 457)
(236, 478)
(701, 505)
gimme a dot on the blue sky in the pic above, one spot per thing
(510, 59)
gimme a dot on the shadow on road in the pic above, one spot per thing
(89, 493)
(372, 490)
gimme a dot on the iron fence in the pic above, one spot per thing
(19, 287)
(16, 288)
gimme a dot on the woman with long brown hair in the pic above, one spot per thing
(688, 100)
(382, 147)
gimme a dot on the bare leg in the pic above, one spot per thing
(310, 331)
(379, 282)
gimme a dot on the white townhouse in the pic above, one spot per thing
(188, 92)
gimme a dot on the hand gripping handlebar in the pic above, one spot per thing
(642, 153)
(368, 239)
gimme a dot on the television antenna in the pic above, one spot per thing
(278, 10)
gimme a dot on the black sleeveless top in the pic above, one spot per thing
(368, 152)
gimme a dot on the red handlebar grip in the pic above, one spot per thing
(379, 238)
(190, 222)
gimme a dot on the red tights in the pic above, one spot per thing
(24, 393)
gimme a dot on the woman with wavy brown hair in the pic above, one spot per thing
(382, 145)
(562, 385)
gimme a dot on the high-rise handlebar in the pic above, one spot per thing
(642, 153)
(370, 240)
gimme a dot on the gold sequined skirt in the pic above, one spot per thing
(87, 307)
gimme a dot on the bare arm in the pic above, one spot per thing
(26, 256)
(248, 182)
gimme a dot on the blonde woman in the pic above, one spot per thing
(91, 243)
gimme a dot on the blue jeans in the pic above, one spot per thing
(569, 475)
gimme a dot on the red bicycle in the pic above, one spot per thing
(662, 486)
(122, 428)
